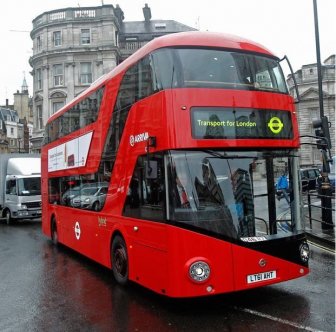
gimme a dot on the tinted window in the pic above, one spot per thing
(136, 84)
(146, 194)
(214, 68)
(86, 192)
(78, 116)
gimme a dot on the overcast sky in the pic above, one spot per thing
(284, 27)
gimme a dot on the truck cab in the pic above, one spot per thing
(20, 196)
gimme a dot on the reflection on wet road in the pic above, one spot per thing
(44, 288)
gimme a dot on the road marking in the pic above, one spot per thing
(276, 319)
(321, 247)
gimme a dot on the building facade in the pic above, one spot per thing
(73, 47)
(308, 108)
(16, 123)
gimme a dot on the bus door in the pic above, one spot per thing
(145, 204)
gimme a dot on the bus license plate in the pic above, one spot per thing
(252, 278)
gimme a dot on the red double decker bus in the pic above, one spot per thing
(164, 170)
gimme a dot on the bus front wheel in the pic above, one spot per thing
(119, 260)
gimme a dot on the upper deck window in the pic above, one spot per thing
(80, 115)
(213, 68)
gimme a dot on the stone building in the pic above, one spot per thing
(16, 122)
(72, 47)
(308, 108)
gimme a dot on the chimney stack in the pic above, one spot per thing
(147, 13)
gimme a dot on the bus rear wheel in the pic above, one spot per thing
(54, 235)
(119, 260)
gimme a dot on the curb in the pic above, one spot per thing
(329, 244)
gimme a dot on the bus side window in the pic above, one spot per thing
(145, 85)
(128, 89)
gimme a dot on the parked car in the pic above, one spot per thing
(69, 195)
(310, 178)
(91, 197)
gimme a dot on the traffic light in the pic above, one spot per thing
(322, 132)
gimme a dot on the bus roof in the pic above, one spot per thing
(193, 39)
(190, 38)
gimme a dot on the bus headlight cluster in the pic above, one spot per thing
(199, 271)
(304, 252)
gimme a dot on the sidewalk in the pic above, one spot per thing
(313, 226)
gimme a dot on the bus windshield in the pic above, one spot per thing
(214, 68)
(232, 193)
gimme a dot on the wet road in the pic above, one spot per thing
(44, 288)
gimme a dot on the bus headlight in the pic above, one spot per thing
(199, 271)
(304, 252)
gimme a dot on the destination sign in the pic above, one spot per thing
(234, 123)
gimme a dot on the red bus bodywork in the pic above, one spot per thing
(159, 254)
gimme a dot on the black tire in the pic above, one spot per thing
(54, 234)
(7, 215)
(96, 206)
(119, 260)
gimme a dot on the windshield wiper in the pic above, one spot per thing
(225, 156)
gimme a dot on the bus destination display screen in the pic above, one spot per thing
(235, 123)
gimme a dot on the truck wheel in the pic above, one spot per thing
(7, 215)
(96, 206)
(54, 235)
(119, 260)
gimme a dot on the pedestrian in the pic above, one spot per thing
(282, 187)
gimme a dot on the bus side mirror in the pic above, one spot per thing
(151, 143)
(292, 75)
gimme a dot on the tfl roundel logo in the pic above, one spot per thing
(275, 125)
(131, 140)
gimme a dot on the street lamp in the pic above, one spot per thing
(322, 132)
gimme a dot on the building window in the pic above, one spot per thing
(58, 75)
(57, 105)
(85, 73)
(39, 43)
(85, 36)
(39, 79)
(12, 131)
(57, 37)
(39, 117)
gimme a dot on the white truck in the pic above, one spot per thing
(20, 186)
